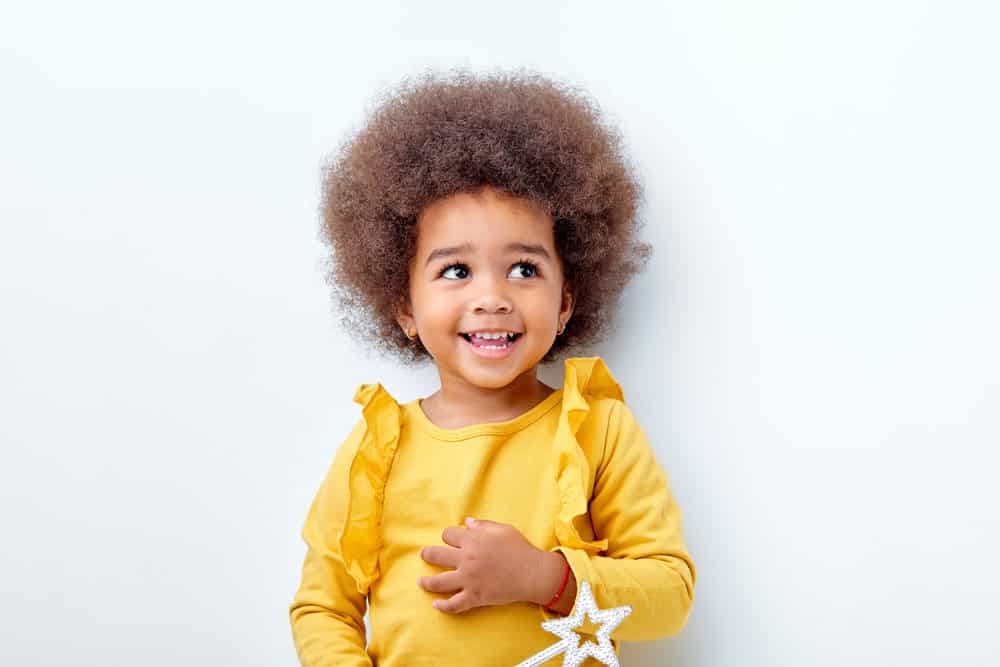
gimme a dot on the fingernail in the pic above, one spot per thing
(469, 521)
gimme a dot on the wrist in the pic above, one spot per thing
(551, 573)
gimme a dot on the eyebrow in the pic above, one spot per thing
(468, 247)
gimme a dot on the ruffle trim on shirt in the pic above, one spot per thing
(360, 539)
(586, 378)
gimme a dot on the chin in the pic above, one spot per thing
(484, 379)
(487, 373)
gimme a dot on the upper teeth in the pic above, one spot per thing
(492, 336)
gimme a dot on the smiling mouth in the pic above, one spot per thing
(491, 344)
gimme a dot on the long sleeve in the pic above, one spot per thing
(647, 565)
(327, 614)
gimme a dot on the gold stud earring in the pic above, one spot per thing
(411, 334)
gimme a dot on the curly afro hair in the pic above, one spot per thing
(438, 134)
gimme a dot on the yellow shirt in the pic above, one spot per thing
(574, 474)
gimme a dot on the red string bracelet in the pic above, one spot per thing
(561, 588)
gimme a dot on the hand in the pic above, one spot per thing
(494, 565)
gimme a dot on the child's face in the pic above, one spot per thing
(486, 285)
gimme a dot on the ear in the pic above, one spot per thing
(404, 314)
(568, 302)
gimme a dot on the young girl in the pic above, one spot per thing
(487, 223)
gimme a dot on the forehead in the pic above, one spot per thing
(487, 219)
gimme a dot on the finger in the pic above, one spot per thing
(443, 556)
(456, 604)
(485, 523)
(446, 582)
(455, 536)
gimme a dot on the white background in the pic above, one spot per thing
(813, 350)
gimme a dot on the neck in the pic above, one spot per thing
(458, 402)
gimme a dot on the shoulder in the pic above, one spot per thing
(602, 410)
(348, 446)
(344, 452)
(379, 422)
(623, 441)
(596, 426)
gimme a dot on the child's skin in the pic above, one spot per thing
(491, 290)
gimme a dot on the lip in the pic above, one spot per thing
(482, 331)
(492, 354)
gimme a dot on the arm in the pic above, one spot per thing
(327, 614)
(647, 566)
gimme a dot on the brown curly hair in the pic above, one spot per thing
(437, 134)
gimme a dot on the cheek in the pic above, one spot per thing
(541, 311)
(437, 312)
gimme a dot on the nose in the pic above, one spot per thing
(489, 305)
(492, 297)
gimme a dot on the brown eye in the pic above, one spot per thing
(458, 267)
(531, 267)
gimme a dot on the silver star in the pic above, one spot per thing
(570, 644)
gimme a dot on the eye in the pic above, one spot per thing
(531, 266)
(459, 267)
(459, 271)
